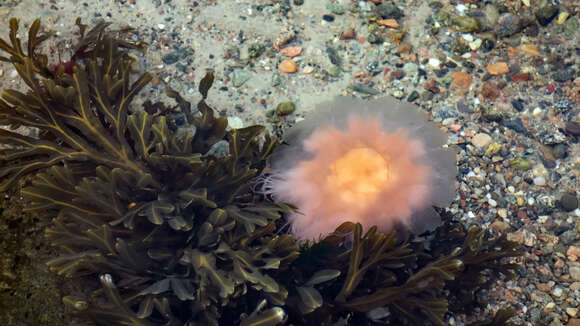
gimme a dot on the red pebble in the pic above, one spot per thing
(520, 76)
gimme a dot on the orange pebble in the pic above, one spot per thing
(288, 66)
(291, 51)
(389, 23)
(498, 68)
(530, 49)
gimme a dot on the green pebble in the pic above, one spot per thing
(520, 163)
(443, 17)
(413, 96)
(285, 108)
(255, 50)
(239, 77)
(466, 24)
(335, 9)
(276, 80)
(571, 26)
(361, 88)
(559, 151)
(374, 38)
(334, 71)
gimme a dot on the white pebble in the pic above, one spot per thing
(540, 181)
(235, 122)
(572, 312)
(475, 44)
(481, 140)
(461, 8)
(161, 26)
(434, 62)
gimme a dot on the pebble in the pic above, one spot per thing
(568, 202)
(462, 79)
(546, 14)
(255, 50)
(563, 75)
(516, 125)
(285, 108)
(362, 88)
(434, 62)
(335, 9)
(524, 237)
(239, 77)
(520, 77)
(573, 253)
(392, 23)
(481, 140)
(466, 24)
(573, 128)
(575, 272)
(475, 44)
(328, 18)
(502, 212)
(498, 68)
(222, 147)
(170, 58)
(413, 96)
(491, 15)
(410, 68)
(235, 122)
(490, 90)
(291, 51)
(540, 181)
(530, 49)
(389, 10)
(562, 17)
(288, 66)
(559, 151)
(347, 34)
(571, 27)
(520, 163)
(508, 24)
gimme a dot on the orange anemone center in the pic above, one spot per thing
(360, 175)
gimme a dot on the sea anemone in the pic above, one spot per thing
(376, 162)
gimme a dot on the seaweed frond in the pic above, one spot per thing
(171, 228)
(82, 117)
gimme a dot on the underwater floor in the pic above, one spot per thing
(500, 78)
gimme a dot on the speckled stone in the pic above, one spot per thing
(546, 14)
(568, 202)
